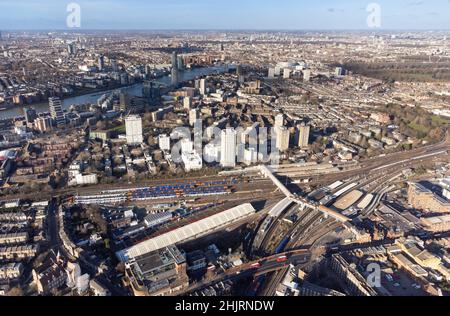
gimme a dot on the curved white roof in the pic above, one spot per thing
(187, 232)
(280, 207)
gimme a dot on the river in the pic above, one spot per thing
(135, 90)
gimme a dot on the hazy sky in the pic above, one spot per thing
(225, 14)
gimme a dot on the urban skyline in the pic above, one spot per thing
(231, 164)
(229, 15)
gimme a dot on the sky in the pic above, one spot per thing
(225, 14)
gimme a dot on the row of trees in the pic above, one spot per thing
(402, 71)
(417, 122)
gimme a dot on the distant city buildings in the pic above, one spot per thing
(325, 127)
(228, 148)
(339, 71)
(193, 116)
(211, 153)
(114, 65)
(192, 161)
(187, 146)
(202, 86)
(306, 75)
(30, 115)
(101, 62)
(282, 138)
(56, 112)
(43, 124)
(286, 73)
(303, 135)
(187, 103)
(279, 120)
(175, 69)
(271, 74)
(164, 142)
(125, 101)
(71, 48)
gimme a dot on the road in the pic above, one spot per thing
(266, 265)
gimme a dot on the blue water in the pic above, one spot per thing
(135, 90)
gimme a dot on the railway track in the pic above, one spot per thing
(322, 232)
(271, 288)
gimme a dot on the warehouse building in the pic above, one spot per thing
(424, 196)
(153, 220)
(436, 224)
(158, 273)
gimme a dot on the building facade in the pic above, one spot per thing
(133, 127)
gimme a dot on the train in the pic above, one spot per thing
(282, 245)
(182, 190)
(190, 190)
(259, 264)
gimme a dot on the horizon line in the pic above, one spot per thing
(218, 29)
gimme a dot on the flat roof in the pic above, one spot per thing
(436, 220)
(280, 207)
(348, 200)
(366, 201)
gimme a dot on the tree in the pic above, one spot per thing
(84, 156)
(101, 125)
(97, 149)
(437, 134)
(120, 268)
(209, 275)
(136, 152)
(147, 120)
(96, 216)
(151, 141)
(56, 292)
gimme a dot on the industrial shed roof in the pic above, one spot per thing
(187, 232)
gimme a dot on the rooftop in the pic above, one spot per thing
(187, 232)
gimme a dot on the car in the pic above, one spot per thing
(282, 259)
(397, 284)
